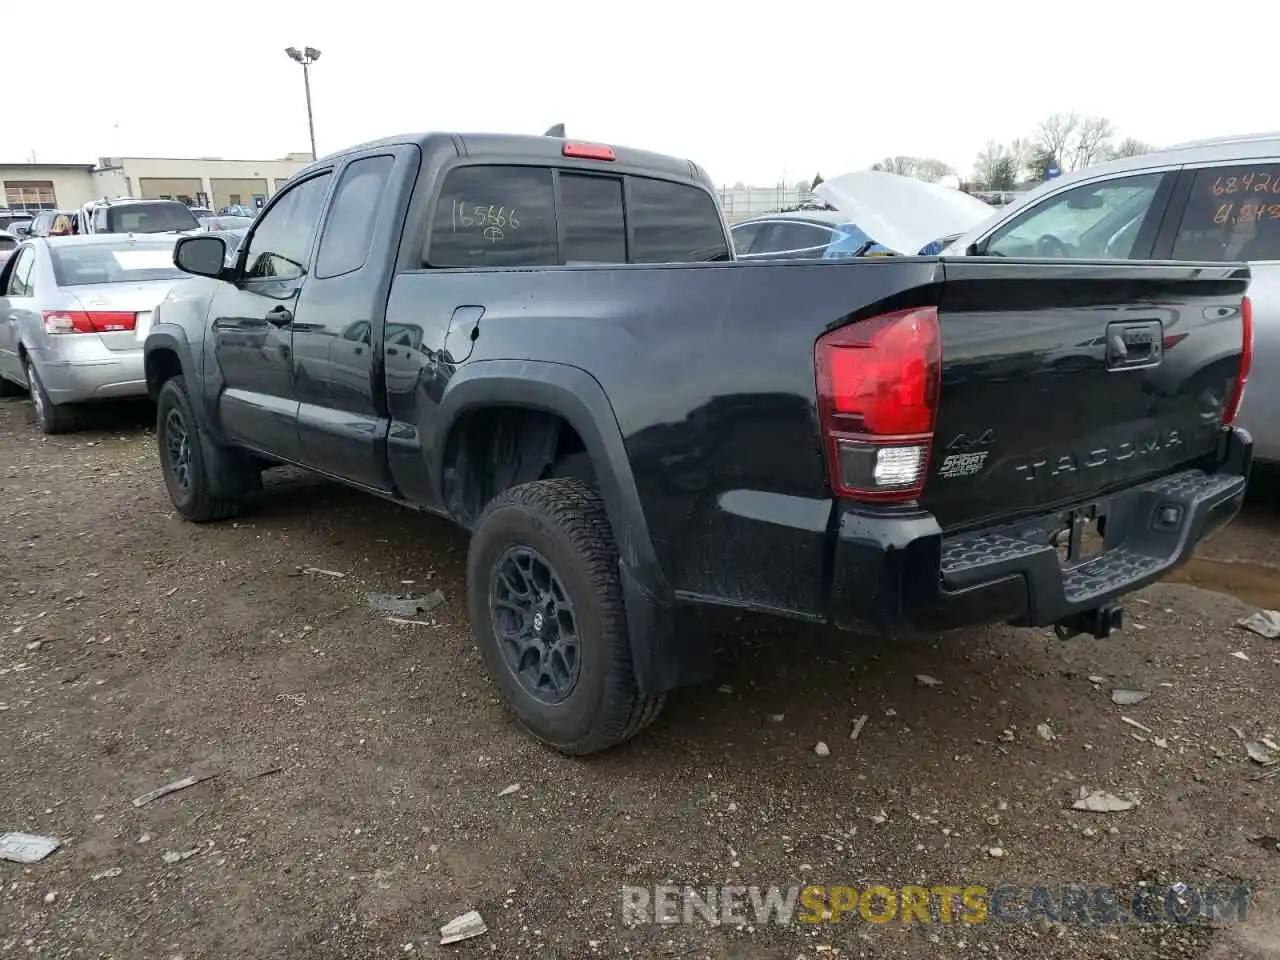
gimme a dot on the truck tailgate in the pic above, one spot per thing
(1064, 381)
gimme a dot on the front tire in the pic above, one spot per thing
(547, 614)
(197, 474)
(53, 418)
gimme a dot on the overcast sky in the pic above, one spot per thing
(750, 91)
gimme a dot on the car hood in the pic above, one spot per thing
(902, 213)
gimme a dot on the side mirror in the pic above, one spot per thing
(204, 255)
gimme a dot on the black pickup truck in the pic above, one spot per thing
(551, 343)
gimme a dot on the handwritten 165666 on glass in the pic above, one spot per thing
(492, 222)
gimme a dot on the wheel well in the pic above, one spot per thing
(492, 449)
(161, 365)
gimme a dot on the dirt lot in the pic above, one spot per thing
(136, 649)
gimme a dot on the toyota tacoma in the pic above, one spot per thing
(552, 344)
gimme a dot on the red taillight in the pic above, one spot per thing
(1246, 361)
(588, 151)
(878, 383)
(87, 321)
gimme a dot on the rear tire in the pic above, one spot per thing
(560, 527)
(198, 472)
(60, 418)
(10, 389)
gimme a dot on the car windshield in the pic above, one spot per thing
(124, 262)
(151, 218)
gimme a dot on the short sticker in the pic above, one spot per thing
(962, 465)
(143, 259)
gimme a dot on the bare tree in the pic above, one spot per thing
(904, 166)
(922, 168)
(1131, 147)
(1054, 136)
(1020, 154)
(930, 169)
(991, 157)
(1092, 142)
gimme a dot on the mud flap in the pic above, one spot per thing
(666, 654)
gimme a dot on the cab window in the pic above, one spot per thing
(1095, 221)
(1232, 214)
(495, 216)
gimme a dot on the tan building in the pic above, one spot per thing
(212, 181)
(44, 186)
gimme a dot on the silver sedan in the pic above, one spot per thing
(74, 312)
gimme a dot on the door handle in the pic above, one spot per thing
(280, 316)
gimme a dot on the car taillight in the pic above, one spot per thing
(878, 382)
(87, 321)
(1246, 361)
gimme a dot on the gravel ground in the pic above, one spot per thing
(359, 765)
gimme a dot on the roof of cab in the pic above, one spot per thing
(535, 147)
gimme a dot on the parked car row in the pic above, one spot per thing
(75, 304)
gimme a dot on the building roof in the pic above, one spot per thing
(45, 166)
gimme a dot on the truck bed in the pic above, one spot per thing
(709, 370)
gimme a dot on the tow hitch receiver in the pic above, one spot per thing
(1100, 622)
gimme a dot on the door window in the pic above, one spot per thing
(590, 215)
(494, 216)
(19, 284)
(348, 231)
(1232, 213)
(788, 236)
(280, 245)
(1099, 220)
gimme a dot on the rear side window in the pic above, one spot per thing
(674, 223)
(591, 217)
(494, 216)
(344, 247)
(20, 276)
(1232, 213)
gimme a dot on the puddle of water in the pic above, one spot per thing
(1254, 583)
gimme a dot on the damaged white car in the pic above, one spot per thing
(904, 215)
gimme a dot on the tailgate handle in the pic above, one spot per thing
(1134, 344)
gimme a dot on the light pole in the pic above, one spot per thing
(306, 56)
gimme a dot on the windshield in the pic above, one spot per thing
(151, 218)
(123, 262)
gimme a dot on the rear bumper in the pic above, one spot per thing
(119, 374)
(901, 575)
